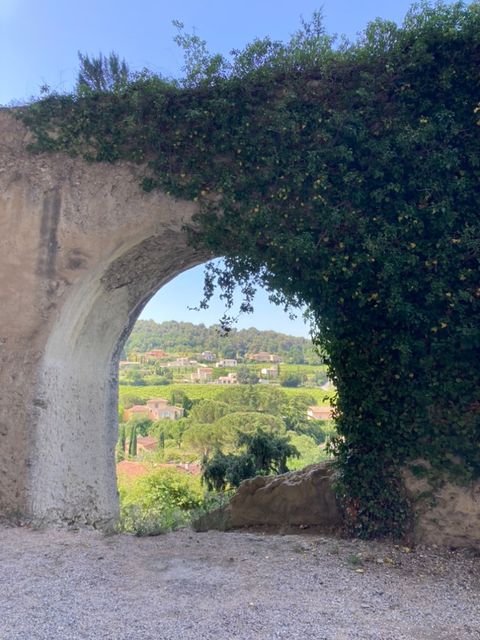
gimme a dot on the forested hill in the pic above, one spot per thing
(185, 337)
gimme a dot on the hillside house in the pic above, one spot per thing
(269, 372)
(226, 362)
(159, 408)
(319, 413)
(180, 362)
(230, 379)
(156, 354)
(209, 356)
(147, 444)
(263, 356)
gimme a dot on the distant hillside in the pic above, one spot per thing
(185, 337)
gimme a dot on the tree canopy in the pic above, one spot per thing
(263, 453)
(187, 337)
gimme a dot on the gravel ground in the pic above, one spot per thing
(229, 586)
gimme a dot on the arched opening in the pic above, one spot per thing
(73, 472)
(73, 469)
(189, 396)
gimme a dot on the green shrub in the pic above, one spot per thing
(158, 501)
(151, 522)
(291, 380)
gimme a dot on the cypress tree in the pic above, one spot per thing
(122, 436)
(132, 445)
(120, 452)
(161, 441)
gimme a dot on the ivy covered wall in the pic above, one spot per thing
(345, 177)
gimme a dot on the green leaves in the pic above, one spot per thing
(102, 74)
(264, 454)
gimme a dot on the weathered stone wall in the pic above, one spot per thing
(298, 499)
(82, 249)
(446, 514)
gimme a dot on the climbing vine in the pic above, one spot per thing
(343, 176)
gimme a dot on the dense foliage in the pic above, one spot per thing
(235, 438)
(180, 337)
(345, 178)
(220, 424)
(263, 454)
(161, 500)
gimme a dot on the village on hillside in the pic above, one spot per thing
(204, 365)
(187, 394)
(160, 409)
(206, 368)
(160, 434)
(255, 368)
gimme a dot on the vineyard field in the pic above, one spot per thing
(139, 395)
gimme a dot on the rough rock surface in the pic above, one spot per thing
(446, 514)
(61, 585)
(299, 498)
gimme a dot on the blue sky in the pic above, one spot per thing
(39, 41)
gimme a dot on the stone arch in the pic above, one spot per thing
(73, 476)
(83, 249)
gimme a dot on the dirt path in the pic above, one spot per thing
(228, 586)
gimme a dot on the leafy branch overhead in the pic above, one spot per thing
(343, 176)
(102, 74)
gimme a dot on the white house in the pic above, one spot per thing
(227, 362)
